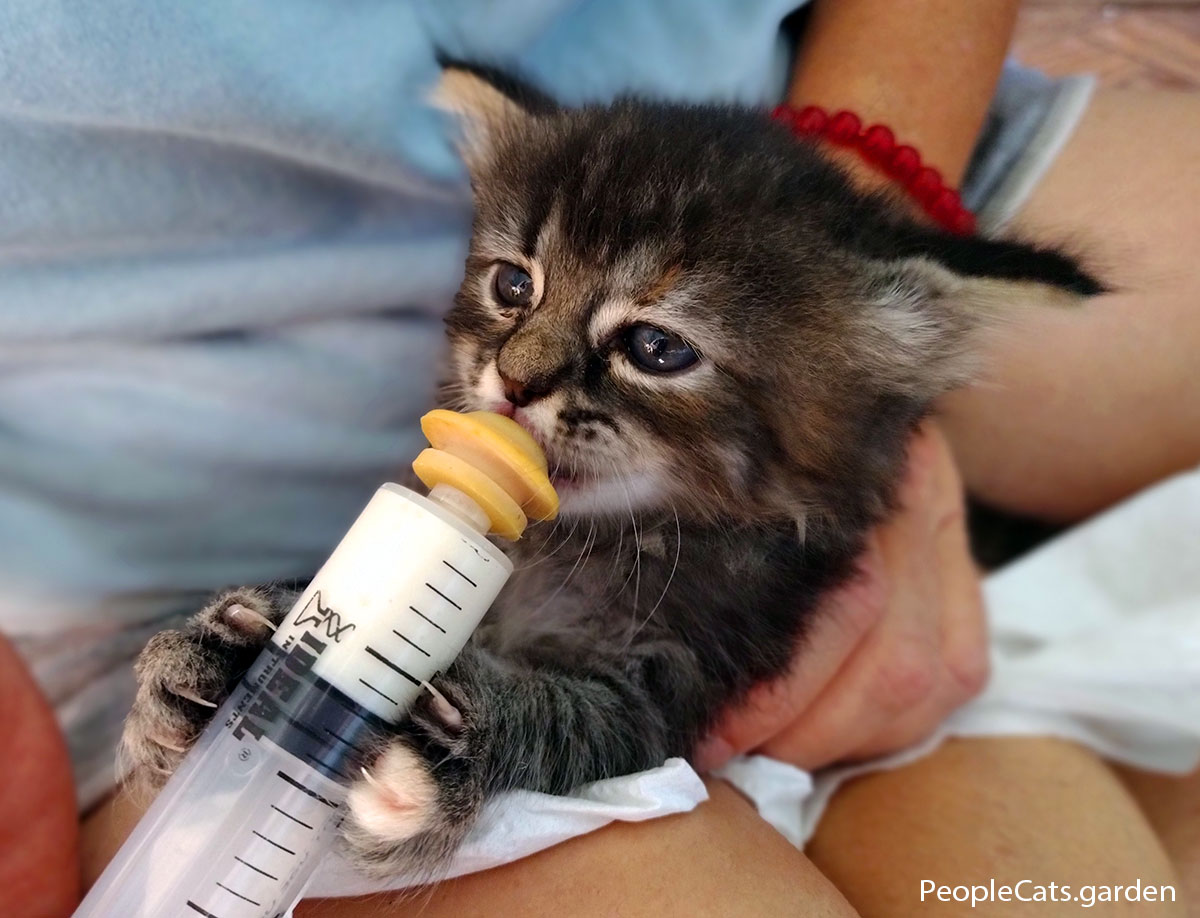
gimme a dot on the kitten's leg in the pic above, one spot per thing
(183, 675)
(536, 727)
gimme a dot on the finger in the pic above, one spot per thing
(839, 624)
(896, 672)
(925, 465)
(895, 667)
(963, 620)
(965, 628)
(899, 670)
(963, 663)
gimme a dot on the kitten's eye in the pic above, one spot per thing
(513, 285)
(658, 351)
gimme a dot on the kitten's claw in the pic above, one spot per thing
(165, 743)
(193, 697)
(184, 675)
(247, 619)
(450, 716)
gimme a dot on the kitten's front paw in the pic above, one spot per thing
(420, 796)
(184, 675)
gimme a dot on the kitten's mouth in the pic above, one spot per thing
(563, 480)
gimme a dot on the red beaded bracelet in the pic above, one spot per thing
(877, 145)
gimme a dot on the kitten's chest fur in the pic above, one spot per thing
(733, 600)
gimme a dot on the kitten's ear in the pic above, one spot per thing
(489, 106)
(928, 309)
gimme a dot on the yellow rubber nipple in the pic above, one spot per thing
(494, 461)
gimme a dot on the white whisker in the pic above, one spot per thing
(587, 545)
(635, 570)
(670, 577)
(542, 555)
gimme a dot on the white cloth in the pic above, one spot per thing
(1096, 638)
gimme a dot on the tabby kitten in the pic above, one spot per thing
(723, 349)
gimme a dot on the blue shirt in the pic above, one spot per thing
(228, 231)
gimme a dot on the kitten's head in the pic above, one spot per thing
(688, 308)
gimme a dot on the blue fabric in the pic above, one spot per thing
(1023, 101)
(228, 230)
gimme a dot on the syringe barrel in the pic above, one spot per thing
(240, 827)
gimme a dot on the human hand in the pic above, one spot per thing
(890, 653)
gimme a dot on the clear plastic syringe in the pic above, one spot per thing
(238, 830)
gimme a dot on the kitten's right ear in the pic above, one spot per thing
(934, 298)
(489, 105)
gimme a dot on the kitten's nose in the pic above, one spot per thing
(522, 393)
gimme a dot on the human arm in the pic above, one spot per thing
(925, 68)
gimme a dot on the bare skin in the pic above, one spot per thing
(1013, 809)
(926, 68)
(1172, 806)
(1082, 410)
(39, 829)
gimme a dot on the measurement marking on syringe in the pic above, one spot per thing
(428, 619)
(377, 692)
(410, 642)
(291, 817)
(325, 765)
(460, 573)
(444, 596)
(238, 894)
(341, 739)
(269, 842)
(315, 737)
(269, 876)
(297, 725)
(194, 907)
(312, 793)
(388, 663)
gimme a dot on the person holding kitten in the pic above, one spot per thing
(903, 642)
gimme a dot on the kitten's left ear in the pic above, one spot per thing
(929, 306)
(490, 106)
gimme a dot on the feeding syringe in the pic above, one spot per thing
(239, 829)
